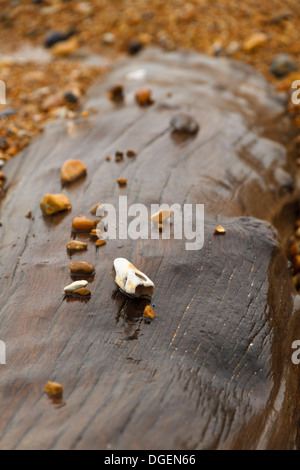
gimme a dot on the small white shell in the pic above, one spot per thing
(129, 278)
(75, 285)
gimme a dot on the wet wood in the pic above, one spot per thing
(213, 369)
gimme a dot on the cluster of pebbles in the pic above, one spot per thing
(130, 280)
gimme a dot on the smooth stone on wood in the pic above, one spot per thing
(76, 245)
(75, 285)
(82, 224)
(81, 267)
(53, 388)
(53, 203)
(72, 170)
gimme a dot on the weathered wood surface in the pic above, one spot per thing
(214, 369)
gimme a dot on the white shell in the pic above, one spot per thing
(75, 285)
(127, 276)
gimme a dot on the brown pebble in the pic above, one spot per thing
(296, 263)
(72, 170)
(130, 153)
(116, 94)
(28, 215)
(143, 97)
(149, 312)
(85, 113)
(53, 101)
(119, 156)
(107, 158)
(220, 229)
(82, 224)
(100, 242)
(93, 210)
(53, 203)
(294, 249)
(82, 291)
(2, 176)
(81, 267)
(122, 181)
(1, 224)
(76, 245)
(65, 48)
(53, 388)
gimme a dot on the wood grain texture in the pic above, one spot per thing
(213, 370)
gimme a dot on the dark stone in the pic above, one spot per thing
(185, 124)
(54, 37)
(7, 112)
(3, 143)
(282, 64)
(71, 97)
(134, 46)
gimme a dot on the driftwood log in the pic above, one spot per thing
(214, 369)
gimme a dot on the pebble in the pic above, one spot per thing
(119, 156)
(72, 96)
(282, 65)
(254, 41)
(82, 291)
(53, 203)
(3, 143)
(100, 242)
(296, 263)
(2, 163)
(149, 312)
(2, 176)
(130, 153)
(53, 388)
(160, 216)
(7, 112)
(143, 97)
(81, 267)
(72, 170)
(116, 94)
(184, 124)
(76, 245)
(134, 46)
(220, 229)
(65, 48)
(233, 47)
(53, 37)
(53, 101)
(130, 280)
(281, 15)
(75, 285)
(108, 38)
(93, 210)
(82, 224)
(294, 249)
(122, 181)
